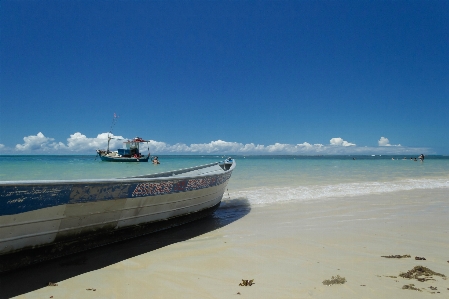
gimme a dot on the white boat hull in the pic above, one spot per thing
(92, 208)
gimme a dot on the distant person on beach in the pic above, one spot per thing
(421, 157)
(156, 160)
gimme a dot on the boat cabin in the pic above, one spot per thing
(131, 148)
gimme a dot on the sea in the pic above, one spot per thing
(259, 180)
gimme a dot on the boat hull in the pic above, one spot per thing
(41, 214)
(25, 257)
(123, 159)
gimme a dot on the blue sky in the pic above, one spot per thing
(226, 76)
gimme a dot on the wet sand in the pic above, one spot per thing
(288, 249)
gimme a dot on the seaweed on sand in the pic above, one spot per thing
(247, 282)
(397, 256)
(334, 280)
(420, 271)
(420, 258)
(410, 287)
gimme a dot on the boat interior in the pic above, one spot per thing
(217, 167)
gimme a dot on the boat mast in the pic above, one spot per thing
(109, 139)
(114, 120)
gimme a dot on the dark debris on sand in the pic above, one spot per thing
(334, 280)
(420, 271)
(247, 283)
(411, 287)
(397, 256)
(420, 258)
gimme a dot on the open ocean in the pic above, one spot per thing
(259, 179)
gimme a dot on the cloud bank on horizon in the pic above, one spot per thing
(385, 142)
(78, 143)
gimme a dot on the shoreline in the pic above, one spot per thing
(289, 249)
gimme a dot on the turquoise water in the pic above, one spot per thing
(260, 179)
(88, 167)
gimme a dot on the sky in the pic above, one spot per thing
(199, 77)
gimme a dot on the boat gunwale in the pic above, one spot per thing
(162, 176)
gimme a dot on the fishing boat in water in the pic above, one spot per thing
(41, 220)
(131, 152)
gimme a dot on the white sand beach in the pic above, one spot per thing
(288, 250)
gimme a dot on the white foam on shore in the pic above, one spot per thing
(267, 195)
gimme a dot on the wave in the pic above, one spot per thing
(266, 195)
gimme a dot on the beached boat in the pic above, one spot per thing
(46, 219)
(131, 152)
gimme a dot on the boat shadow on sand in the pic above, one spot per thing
(33, 277)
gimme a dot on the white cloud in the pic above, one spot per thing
(36, 143)
(340, 142)
(2, 146)
(220, 146)
(77, 142)
(383, 141)
(80, 143)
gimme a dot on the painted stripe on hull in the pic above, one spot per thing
(16, 199)
(20, 199)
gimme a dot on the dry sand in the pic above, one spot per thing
(289, 249)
